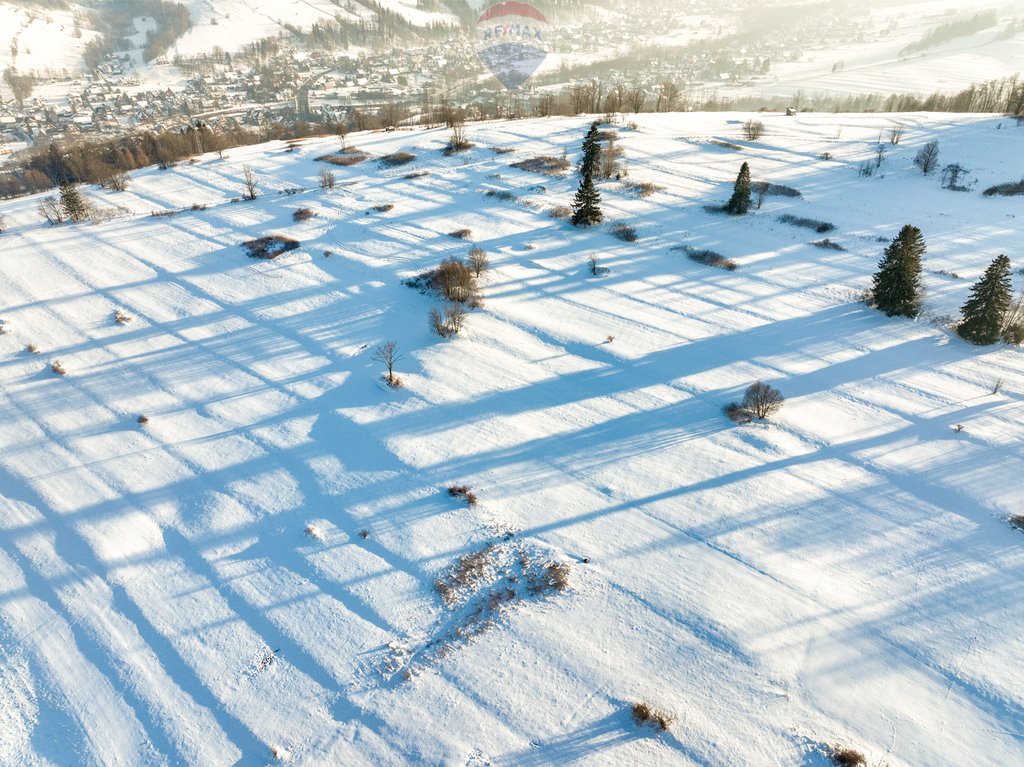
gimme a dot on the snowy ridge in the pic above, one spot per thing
(248, 577)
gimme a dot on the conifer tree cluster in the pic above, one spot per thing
(739, 203)
(586, 206)
(896, 285)
(984, 311)
(71, 202)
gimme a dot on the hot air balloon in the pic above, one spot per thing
(512, 44)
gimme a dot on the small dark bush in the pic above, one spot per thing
(544, 164)
(122, 317)
(477, 261)
(271, 246)
(143, 420)
(624, 232)
(32, 349)
(828, 244)
(645, 714)
(396, 159)
(447, 322)
(1017, 520)
(197, 206)
(501, 194)
(461, 234)
(453, 280)
(458, 491)
(1011, 189)
(821, 227)
(383, 208)
(502, 149)
(761, 400)
(847, 757)
(303, 214)
(416, 174)
(59, 369)
(708, 258)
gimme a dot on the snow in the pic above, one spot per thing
(841, 574)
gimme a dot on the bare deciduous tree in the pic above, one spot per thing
(478, 261)
(762, 399)
(753, 129)
(927, 157)
(388, 354)
(251, 183)
(327, 179)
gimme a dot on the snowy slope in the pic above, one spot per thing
(199, 590)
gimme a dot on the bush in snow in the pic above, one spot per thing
(646, 714)
(454, 280)
(59, 369)
(927, 158)
(759, 401)
(478, 261)
(449, 320)
(753, 129)
(302, 214)
(847, 757)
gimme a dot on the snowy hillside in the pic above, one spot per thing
(271, 568)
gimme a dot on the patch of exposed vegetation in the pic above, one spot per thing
(269, 247)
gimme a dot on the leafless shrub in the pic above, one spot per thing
(895, 134)
(828, 244)
(561, 212)
(708, 258)
(197, 206)
(458, 491)
(364, 534)
(449, 320)
(50, 209)
(395, 159)
(825, 156)
(32, 349)
(117, 182)
(458, 141)
(270, 247)
(821, 227)
(623, 232)
(143, 420)
(1009, 189)
(59, 369)
(847, 757)
(453, 280)
(250, 182)
(461, 234)
(477, 261)
(927, 157)
(502, 149)
(952, 175)
(759, 401)
(544, 164)
(645, 714)
(471, 499)
(596, 270)
(388, 354)
(753, 129)
(416, 174)
(121, 317)
(501, 194)
(327, 179)
(383, 207)
(303, 214)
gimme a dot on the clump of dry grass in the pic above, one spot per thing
(561, 212)
(383, 208)
(270, 246)
(646, 714)
(466, 573)
(552, 578)
(345, 158)
(59, 369)
(641, 188)
(32, 349)
(395, 159)
(708, 258)
(461, 234)
(842, 756)
(544, 164)
(122, 317)
(464, 492)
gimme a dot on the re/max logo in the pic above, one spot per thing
(512, 30)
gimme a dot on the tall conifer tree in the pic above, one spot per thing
(739, 203)
(897, 283)
(985, 309)
(586, 207)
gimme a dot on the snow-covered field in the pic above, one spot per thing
(250, 577)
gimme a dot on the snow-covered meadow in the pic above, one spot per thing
(251, 576)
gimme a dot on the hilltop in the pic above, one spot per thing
(271, 566)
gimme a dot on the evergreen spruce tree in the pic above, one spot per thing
(985, 309)
(897, 283)
(739, 203)
(72, 203)
(586, 207)
(591, 162)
